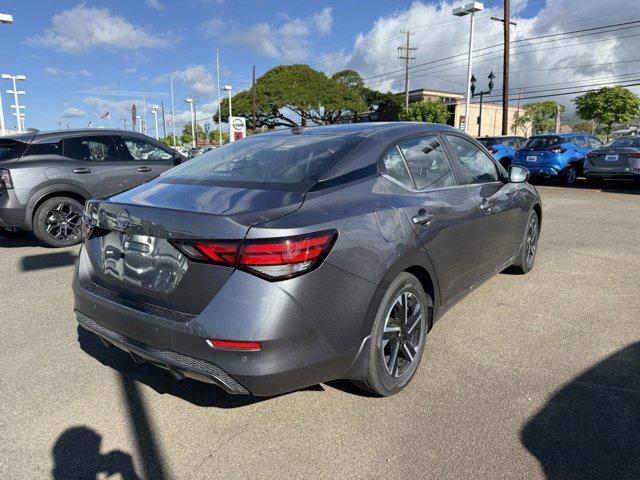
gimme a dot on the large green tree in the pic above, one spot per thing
(296, 95)
(387, 105)
(540, 115)
(425, 111)
(608, 105)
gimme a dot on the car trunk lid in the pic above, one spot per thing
(131, 250)
(619, 157)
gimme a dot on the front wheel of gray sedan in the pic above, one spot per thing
(398, 337)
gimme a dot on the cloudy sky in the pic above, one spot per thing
(84, 59)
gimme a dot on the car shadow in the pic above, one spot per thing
(198, 393)
(76, 454)
(590, 428)
(44, 261)
(19, 242)
(609, 186)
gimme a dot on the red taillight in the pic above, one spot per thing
(634, 155)
(234, 345)
(5, 178)
(274, 259)
(557, 149)
(592, 155)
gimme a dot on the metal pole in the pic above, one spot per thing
(173, 116)
(253, 99)
(480, 116)
(2, 129)
(468, 95)
(144, 110)
(230, 114)
(193, 123)
(219, 103)
(164, 123)
(155, 116)
(505, 69)
(406, 75)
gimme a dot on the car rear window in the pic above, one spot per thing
(11, 149)
(543, 141)
(488, 142)
(272, 162)
(625, 142)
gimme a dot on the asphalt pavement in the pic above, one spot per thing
(529, 377)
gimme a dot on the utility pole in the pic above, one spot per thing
(124, 123)
(173, 116)
(558, 111)
(253, 99)
(405, 53)
(219, 103)
(164, 122)
(506, 24)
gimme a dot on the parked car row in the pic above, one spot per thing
(567, 156)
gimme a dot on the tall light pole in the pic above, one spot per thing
(192, 103)
(468, 9)
(18, 114)
(228, 89)
(154, 110)
(139, 119)
(173, 116)
(6, 19)
(219, 104)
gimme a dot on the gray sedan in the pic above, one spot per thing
(619, 159)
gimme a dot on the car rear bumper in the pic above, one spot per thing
(541, 170)
(302, 344)
(12, 213)
(621, 173)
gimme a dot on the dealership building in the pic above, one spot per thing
(491, 112)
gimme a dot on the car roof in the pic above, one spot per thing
(56, 134)
(570, 134)
(362, 129)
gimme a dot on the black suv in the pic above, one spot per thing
(45, 178)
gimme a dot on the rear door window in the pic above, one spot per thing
(91, 149)
(44, 148)
(140, 150)
(428, 162)
(475, 165)
(11, 149)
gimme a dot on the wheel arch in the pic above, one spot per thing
(50, 191)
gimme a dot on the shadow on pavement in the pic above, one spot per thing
(609, 186)
(76, 455)
(19, 242)
(197, 393)
(47, 260)
(590, 428)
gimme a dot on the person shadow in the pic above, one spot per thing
(77, 456)
(590, 428)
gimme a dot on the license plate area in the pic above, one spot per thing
(532, 158)
(611, 158)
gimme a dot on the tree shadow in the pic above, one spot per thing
(47, 260)
(76, 455)
(195, 392)
(590, 428)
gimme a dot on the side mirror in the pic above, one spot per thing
(518, 174)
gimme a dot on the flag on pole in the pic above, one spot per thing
(89, 125)
(106, 115)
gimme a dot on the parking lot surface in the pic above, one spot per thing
(534, 376)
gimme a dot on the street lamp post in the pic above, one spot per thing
(481, 95)
(18, 114)
(192, 102)
(468, 9)
(139, 119)
(228, 89)
(7, 19)
(154, 110)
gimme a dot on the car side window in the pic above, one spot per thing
(44, 148)
(141, 150)
(395, 167)
(90, 149)
(428, 162)
(583, 142)
(475, 165)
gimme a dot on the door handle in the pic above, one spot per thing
(143, 169)
(82, 170)
(423, 219)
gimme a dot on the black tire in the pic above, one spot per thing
(12, 233)
(64, 211)
(569, 176)
(387, 377)
(526, 257)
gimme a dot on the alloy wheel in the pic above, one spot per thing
(62, 222)
(532, 240)
(402, 336)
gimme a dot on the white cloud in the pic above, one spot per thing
(288, 41)
(57, 72)
(130, 70)
(73, 112)
(81, 29)
(155, 4)
(196, 77)
(438, 35)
